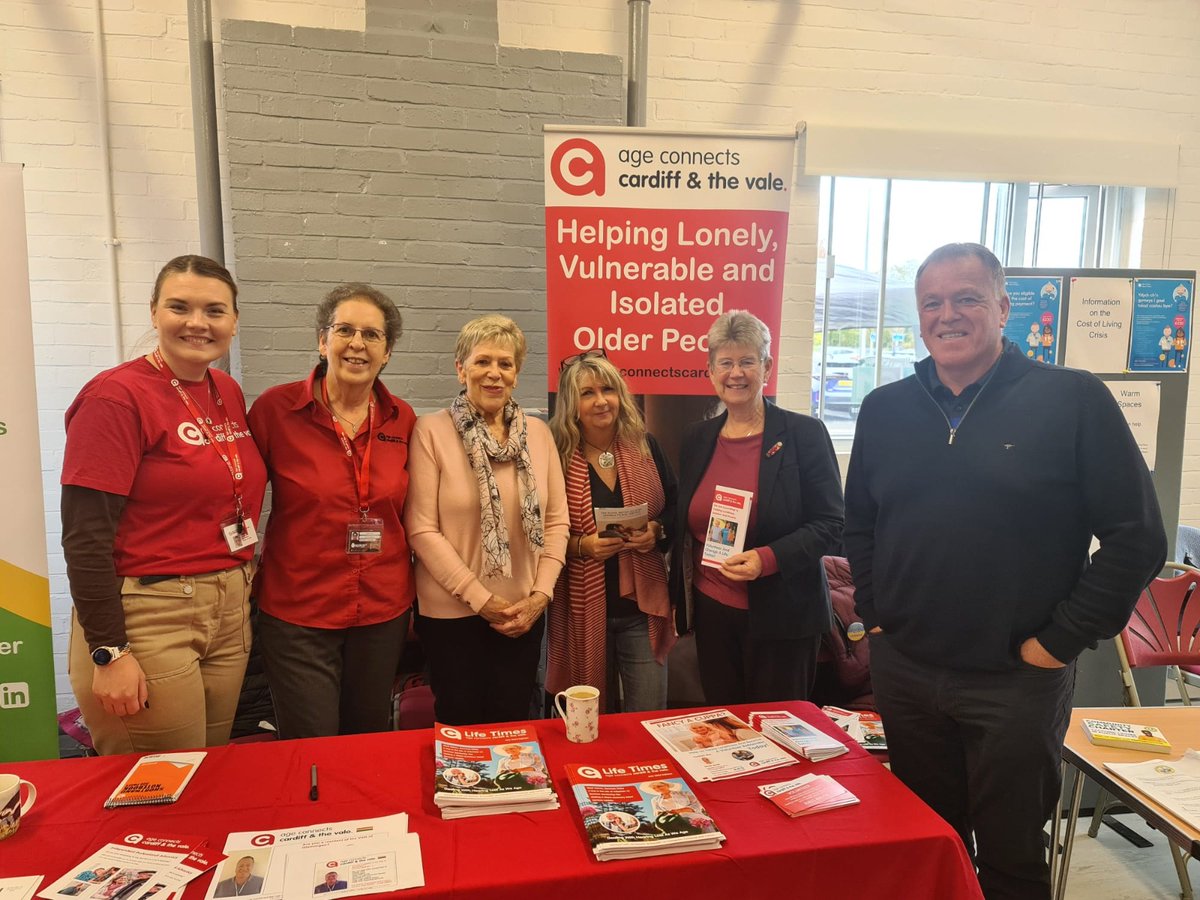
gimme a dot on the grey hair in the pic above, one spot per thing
(949, 252)
(739, 327)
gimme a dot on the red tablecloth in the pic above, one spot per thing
(889, 845)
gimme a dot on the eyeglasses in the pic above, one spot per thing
(746, 364)
(598, 353)
(344, 332)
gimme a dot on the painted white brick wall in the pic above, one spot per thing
(48, 121)
(1106, 67)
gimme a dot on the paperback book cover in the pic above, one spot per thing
(640, 809)
(1126, 736)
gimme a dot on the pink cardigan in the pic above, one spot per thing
(441, 518)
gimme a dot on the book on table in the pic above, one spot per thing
(715, 744)
(1127, 736)
(482, 770)
(795, 734)
(156, 779)
(640, 809)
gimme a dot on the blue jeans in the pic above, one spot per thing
(632, 668)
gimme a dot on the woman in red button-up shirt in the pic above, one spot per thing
(336, 584)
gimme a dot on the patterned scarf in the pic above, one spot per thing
(577, 623)
(482, 447)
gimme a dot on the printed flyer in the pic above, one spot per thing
(1098, 330)
(651, 235)
(1162, 324)
(1033, 317)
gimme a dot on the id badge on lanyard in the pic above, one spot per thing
(238, 531)
(366, 534)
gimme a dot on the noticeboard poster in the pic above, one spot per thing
(1097, 332)
(1162, 324)
(1033, 315)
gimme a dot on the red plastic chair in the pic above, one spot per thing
(1163, 631)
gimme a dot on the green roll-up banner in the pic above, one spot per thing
(28, 728)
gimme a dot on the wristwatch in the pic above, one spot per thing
(102, 656)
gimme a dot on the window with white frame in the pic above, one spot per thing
(874, 233)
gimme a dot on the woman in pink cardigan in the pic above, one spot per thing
(486, 516)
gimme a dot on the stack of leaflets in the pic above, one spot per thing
(139, 864)
(640, 809)
(1126, 736)
(716, 744)
(797, 735)
(865, 727)
(807, 794)
(483, 770)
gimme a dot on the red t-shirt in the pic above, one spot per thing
(307, 577)
(129, 433)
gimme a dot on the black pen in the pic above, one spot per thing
(312, 791)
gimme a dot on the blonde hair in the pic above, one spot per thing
(492, 328)
(564, 424)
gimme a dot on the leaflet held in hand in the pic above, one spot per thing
(727, 525)
(621, 521)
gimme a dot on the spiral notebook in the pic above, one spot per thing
(156, 779)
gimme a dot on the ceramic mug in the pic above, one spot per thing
(11, 807)
(582, 712)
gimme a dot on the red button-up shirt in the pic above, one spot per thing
(307, 577)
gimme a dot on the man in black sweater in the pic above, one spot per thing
(974, 491)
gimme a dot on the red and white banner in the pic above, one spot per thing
(650, 235)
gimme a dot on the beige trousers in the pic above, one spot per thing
(191, 636)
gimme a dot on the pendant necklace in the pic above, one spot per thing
(606, 458)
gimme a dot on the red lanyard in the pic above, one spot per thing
(362, 473)
(230, 456)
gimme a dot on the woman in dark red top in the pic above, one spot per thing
(758, 614)
(162, 489)
(337, 582)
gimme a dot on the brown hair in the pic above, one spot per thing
(194, 265)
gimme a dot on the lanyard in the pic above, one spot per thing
(362, 473)
(230, 456)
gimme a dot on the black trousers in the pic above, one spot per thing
(983, 750)
(477, 674)
(327, 681)
(736, 668)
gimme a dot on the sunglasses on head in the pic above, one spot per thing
(580, 357)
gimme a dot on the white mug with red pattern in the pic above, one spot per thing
(581, 713)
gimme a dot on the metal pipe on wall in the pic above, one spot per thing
(111, 241)
(204, 129)
(639, 42)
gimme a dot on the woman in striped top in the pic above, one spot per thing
(610, 624)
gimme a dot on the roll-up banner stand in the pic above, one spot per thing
(28, 727)
(650, 235)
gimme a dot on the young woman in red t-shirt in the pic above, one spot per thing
(162, 489)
